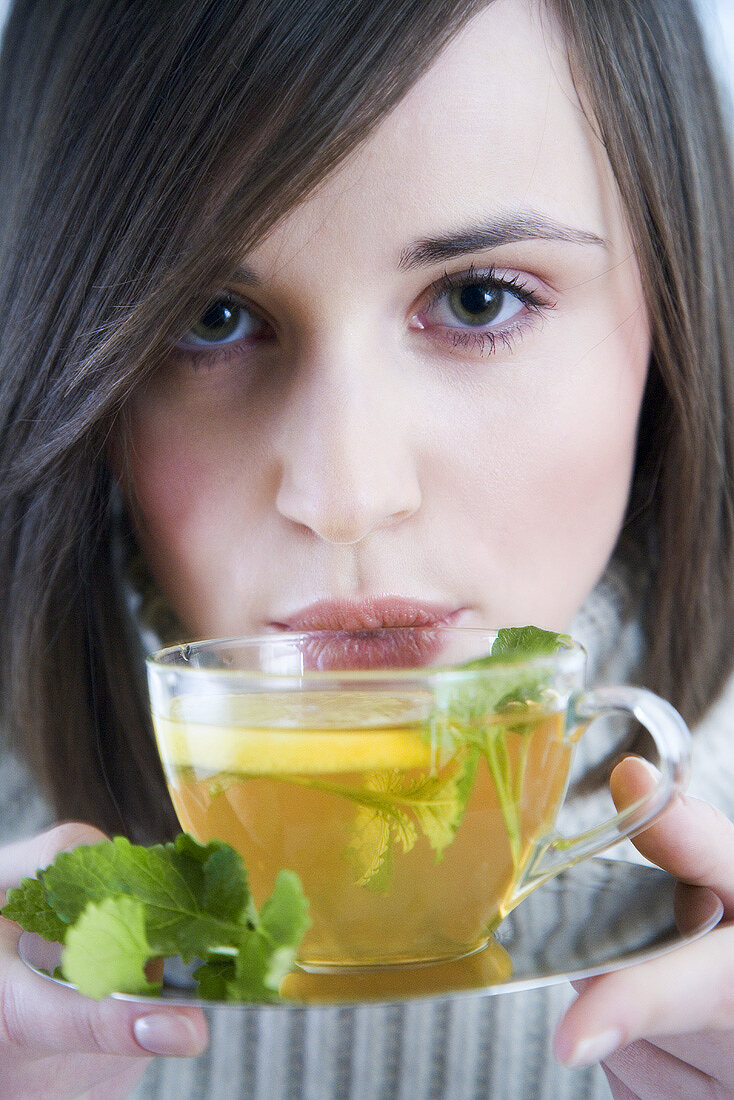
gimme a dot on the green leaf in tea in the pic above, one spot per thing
(378, 824)
(392, 807)
(465, 702)
(483, 713)
(439, 802)
(471, 720)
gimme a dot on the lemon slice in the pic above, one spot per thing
(302, 752)
(308, 734)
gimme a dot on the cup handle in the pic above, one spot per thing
(673, 742)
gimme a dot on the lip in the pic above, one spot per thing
(374, 632)
(369, 613)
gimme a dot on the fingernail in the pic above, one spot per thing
(651, 769)
(595, 1047)
(164, 1034)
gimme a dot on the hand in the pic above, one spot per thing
(54, 1042)
(666, 1027)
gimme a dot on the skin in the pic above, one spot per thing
(354, 446)
(348, 452)
(666, 1027)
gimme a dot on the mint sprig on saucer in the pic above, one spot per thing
(116, 905)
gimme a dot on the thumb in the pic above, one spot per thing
(23, 858)
(41, 1017)
(691, 839)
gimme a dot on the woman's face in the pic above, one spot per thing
(420, 400)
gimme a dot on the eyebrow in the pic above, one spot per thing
(245, 276)
(493, 232)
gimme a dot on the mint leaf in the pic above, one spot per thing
(267, 953)
(284, 916)
(391, 808)
(373, 864)
(224, 887)
(251, 981)
(116, 905)
(180, 885)
(518, 642)
(370, 851)
(270, 951)
(27, 906)
(379, 823)
(475, 701)
(439, 802)
(107, 948)
(213, 977)
(483, 712)
(469, 701)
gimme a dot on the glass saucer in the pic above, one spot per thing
(600, 915)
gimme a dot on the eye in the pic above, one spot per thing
(476, 300)
(481, 304)
(224, 321)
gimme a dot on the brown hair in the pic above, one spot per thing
(144, 148)
(641, 67)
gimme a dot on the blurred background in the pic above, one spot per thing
(717, 17)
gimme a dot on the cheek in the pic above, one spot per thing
(591, 437)
(172, 486)
(566, 478)
(548, 475)
(181, 488)
(172, 481)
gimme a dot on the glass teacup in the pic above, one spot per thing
(416, 804)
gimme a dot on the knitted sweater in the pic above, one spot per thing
(461, 1048)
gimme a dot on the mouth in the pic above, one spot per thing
(370, 613)
(372, 633)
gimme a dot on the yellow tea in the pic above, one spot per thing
(409, 843)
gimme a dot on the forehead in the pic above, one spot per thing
(494, 126)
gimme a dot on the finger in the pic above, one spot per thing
(684, 991)
(709, 1051)
(691, 839)
(118, 1085)
(77, 1077)
(618, 1089)
(23, 858)
(41, 1018)
(649, 1073)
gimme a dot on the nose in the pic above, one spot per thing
(347, 454)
